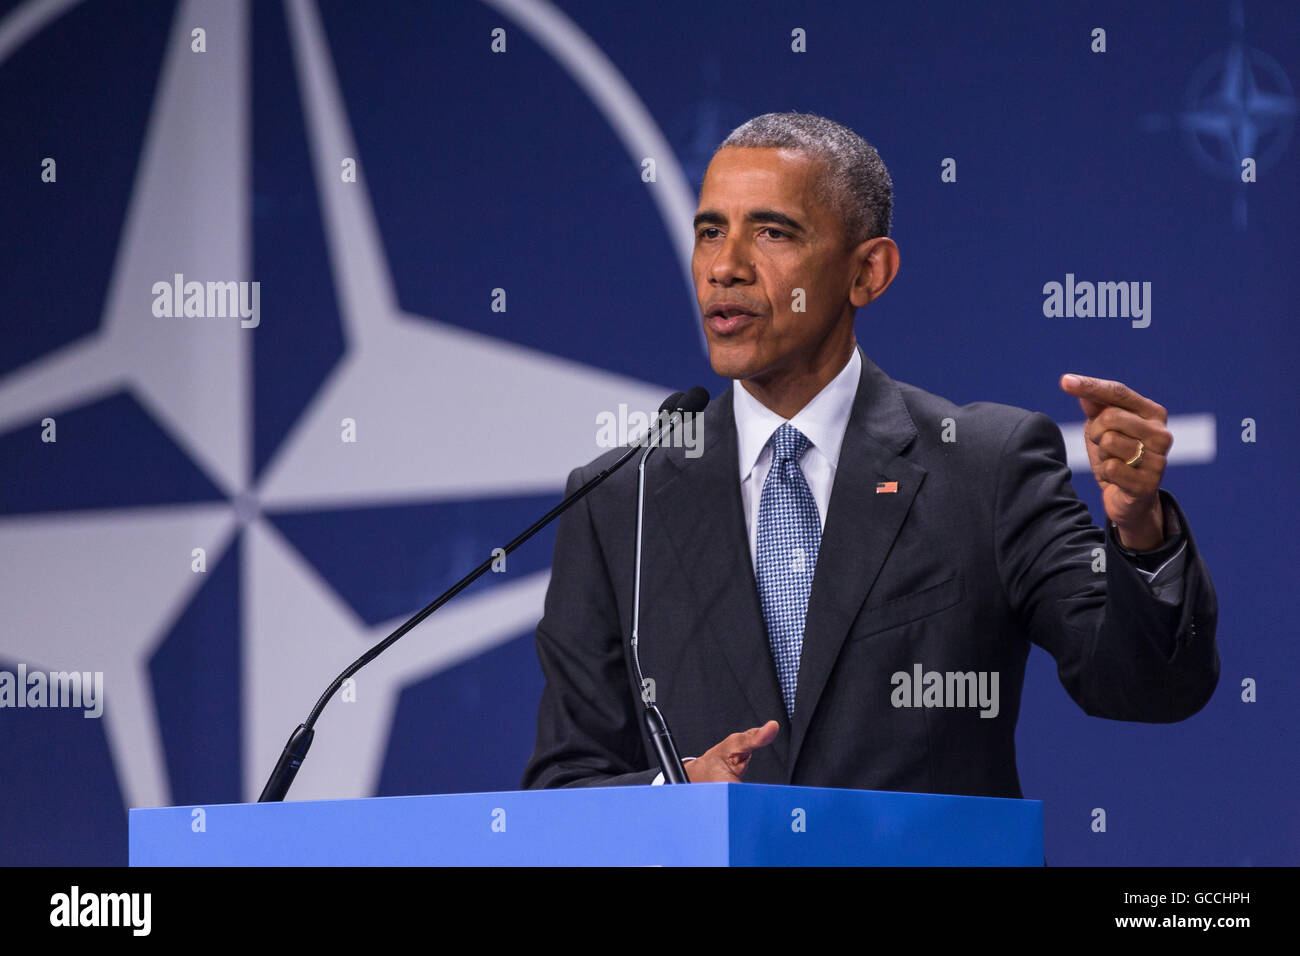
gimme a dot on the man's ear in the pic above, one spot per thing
(875, 263)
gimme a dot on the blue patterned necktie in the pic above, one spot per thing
(789, 534)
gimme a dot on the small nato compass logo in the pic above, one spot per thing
(1240, 105)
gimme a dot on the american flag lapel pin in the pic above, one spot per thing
(886, 487)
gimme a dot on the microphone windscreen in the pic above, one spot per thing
(695, 400)
(672, 401)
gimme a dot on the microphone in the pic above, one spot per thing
(660, 736)
(295, 751)
(694, 401)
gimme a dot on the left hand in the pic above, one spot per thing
(1118, 419)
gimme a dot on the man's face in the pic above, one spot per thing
(762, 232)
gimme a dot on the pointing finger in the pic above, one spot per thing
(1102, 392)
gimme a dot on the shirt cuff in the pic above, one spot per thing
(659, 780)
(1162, 568)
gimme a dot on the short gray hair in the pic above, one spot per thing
(855, 182)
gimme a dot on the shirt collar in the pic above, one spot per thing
(824, 420)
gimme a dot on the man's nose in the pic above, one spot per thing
(733, 263)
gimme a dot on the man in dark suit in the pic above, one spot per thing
(854, 568)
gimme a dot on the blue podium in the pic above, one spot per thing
(713, 824)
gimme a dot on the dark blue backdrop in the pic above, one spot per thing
(500, 170)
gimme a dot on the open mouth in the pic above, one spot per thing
(728, 318)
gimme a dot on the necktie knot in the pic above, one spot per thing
(788, 444)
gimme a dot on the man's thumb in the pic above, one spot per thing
(762, 736)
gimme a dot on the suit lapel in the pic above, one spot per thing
(861, 526)
(701, 511)
(698, 504)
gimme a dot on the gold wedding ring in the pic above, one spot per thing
(1137, 459)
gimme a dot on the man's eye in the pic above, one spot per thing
(776, 233)
(706, 232)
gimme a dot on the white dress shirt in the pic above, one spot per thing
(823, 421)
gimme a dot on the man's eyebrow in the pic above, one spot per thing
(771, 215)
(715, 218)
(711, 216)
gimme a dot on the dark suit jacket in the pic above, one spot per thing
(983, 548)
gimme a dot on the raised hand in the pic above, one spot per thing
(1127, 445)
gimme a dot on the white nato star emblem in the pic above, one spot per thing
(194, 379)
